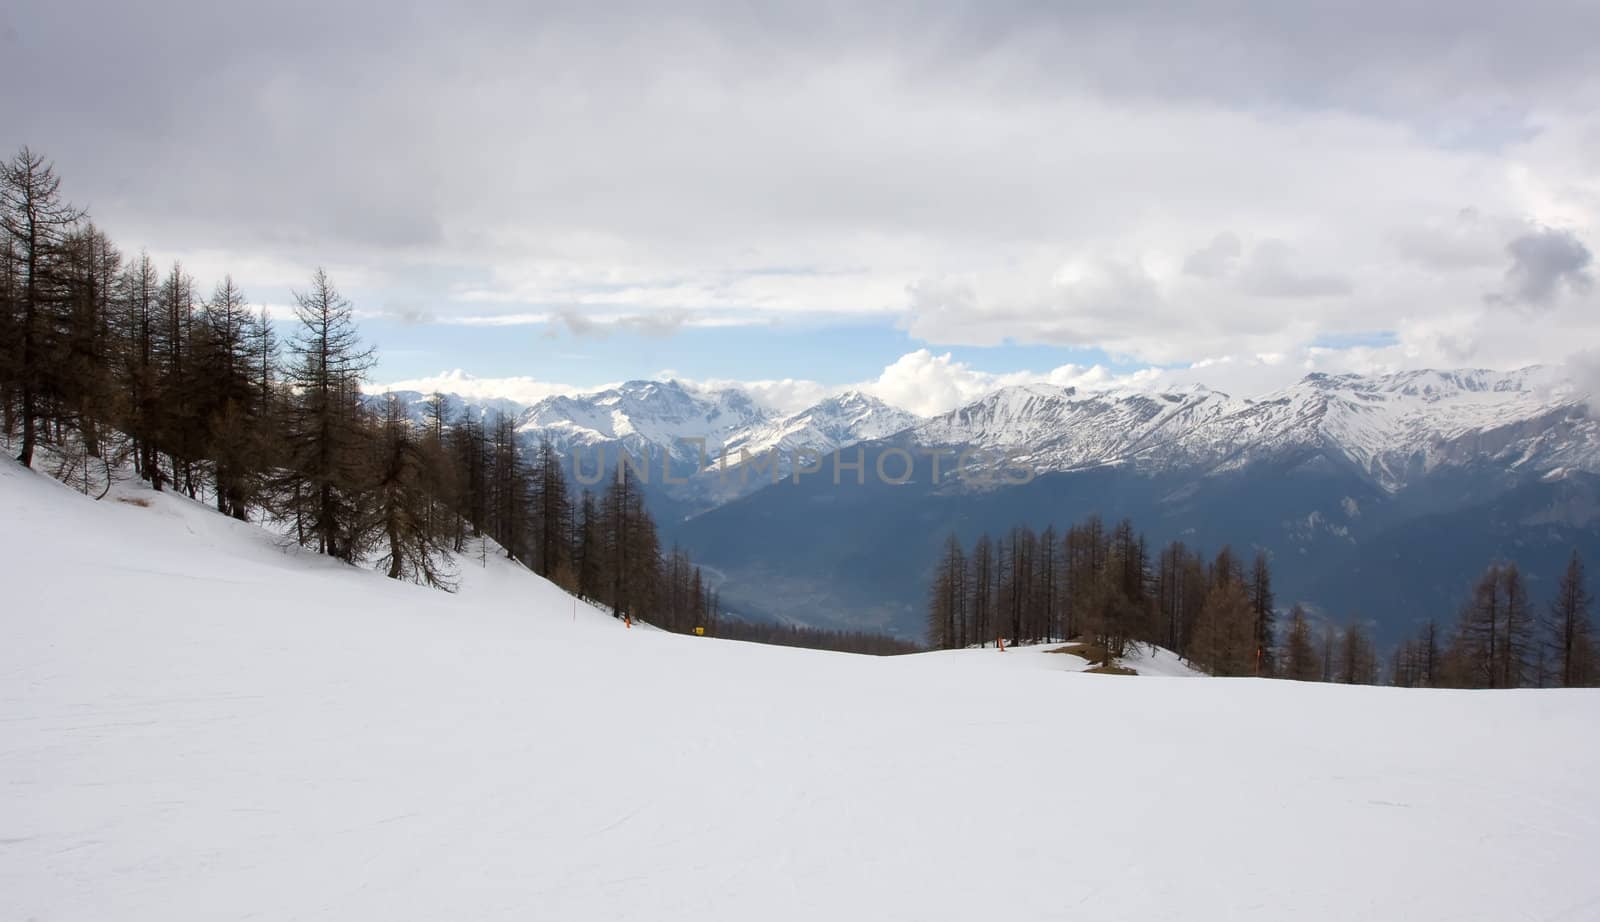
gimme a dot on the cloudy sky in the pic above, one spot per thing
(930, 198)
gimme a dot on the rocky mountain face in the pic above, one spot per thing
(677, 433)
(1391, 429)
(1376, 496)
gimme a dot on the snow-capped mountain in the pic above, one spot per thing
(1392, 428)
(837, 422)
(647, 419)
(644, 418)
(1411, 481)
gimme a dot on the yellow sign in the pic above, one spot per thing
(699, 632)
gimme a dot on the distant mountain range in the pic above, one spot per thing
(678, 430)
(1377, 496)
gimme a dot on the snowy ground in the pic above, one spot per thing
(1055, 657)
(197, 724)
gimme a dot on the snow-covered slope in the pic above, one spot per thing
(1392, 428)
(200, 725)
(837, 422)
(641, 416)
(1058, 657)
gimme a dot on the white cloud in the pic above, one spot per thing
(994, 172)
(782, 395)
(520, 389)
(929, 383)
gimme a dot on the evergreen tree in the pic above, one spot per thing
(37, 226)
(946, 606)
(138, 333)
(1261, 605)
(1569, 631)
(1358, 658)
(86, 391)
(1224, 637)
(1519, 637)
(10, 332)
(1476, 650)
(589, 547)
(414, 542)
(180, 426)
(228, 400)
(632, 551)
(981, 583)
(1300, 659)
(325, 483)
(510, 488)
(552, 515)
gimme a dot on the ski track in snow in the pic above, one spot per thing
(282, 737)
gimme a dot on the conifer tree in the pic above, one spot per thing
(180, 426)
(632, 550)
(947, 602)
(981, 583)
(228, 400)
(1476, 650)
(1300, 659)
(86, 391)
(325, 482)
(10, 332)
(552, 512)
(414, 542)
(1519, 637)
(1569, 631)
(1261, 609)
(444, 502)
(36, 225)
(138, 333)
(589, 547)
(511, 489)
(1224, 636)
(1358, 659)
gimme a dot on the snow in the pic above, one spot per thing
(201, 724)
(1393, 427)
(1142, 659)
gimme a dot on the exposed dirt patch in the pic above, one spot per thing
(1089, 652)
(1112, 670)
(1094, 653)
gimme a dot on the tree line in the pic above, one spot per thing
(1104, 586)
(1503, 638)
(110, 358)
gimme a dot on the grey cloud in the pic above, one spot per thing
(410, 315)
(1468, 240)
(912, 138)
(1584, 370)
(942, 296)
(1544, 263)
(657, 323)
(1216, 259)
(1110, 296)
(1272, 273)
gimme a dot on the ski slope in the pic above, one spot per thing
(196, 724)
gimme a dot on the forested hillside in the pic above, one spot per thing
(117, 365)
(1105, 585)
